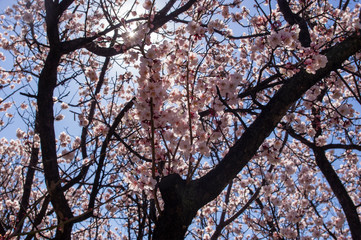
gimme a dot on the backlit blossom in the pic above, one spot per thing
(193, 27)
(23, 106)
(28, 17)
(321, 140)
(147, 4)
(344, 110)
(274, 40)
(19, 133)
(59, 117)
(64, 105)
(91, 74)
(68, 155)
(318, 61)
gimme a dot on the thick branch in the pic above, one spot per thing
(340, 192)
(52, 21)
(24, 204)
(158, 22)
(102, 157)
(292, 18)
(335, 183)
(209, 186)
(47, 83)
(63, 5)
(102, 51)
(175, 217)
(166, 8)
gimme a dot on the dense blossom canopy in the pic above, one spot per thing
(210, 119)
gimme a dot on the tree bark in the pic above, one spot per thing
(46, 85)
(178, 211)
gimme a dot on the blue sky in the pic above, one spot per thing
(5, 3)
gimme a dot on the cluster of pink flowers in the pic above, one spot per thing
(285, 38)
(316, 62)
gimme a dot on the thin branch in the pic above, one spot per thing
(104, 147)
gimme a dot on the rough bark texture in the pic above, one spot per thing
(188, 198)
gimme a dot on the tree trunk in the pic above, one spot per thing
(178, 209)
(47, 83)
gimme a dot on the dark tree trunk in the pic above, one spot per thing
(47, 83)
(178, 209)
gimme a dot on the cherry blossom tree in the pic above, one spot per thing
(179, 119)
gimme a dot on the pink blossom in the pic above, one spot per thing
(19, 133)
(68, 155)
(147, 5)
(64, 105)
(91, 74)
(274, 40)
(59, 117)
(28, 17)
(193, 27)
(344, 110)
(23, 106)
